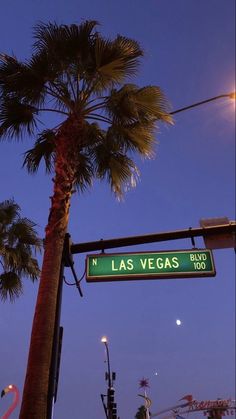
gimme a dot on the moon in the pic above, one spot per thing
(178, 322)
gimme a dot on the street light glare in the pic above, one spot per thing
(104, 339)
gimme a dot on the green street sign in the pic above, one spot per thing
(149, 265)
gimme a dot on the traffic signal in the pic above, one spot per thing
(110, 395)
(111, 405)
(113, 411)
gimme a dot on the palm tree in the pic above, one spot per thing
(76, 73)
(18, 241)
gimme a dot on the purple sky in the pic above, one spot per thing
(189, 52)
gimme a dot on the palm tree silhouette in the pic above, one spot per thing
(79, 75)
(18, 243)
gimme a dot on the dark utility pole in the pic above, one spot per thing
(56, 349)
(66, 261)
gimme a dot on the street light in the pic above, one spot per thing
(110, 409)
(231, 95)
(108, 375)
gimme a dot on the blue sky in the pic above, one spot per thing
(190, 53)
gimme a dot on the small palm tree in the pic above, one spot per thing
(18, 242)
(77, 74)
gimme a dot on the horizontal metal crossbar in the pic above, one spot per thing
(152, 238)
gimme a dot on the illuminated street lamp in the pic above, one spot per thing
(110, 409)
(108, 375)
(231, 95)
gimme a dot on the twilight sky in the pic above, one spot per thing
(189, 52)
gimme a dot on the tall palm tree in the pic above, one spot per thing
(18, 242)
(76, 73)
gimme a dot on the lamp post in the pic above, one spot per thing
(231, 95)
(110, 409)
(108, 375)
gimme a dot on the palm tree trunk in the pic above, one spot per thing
(34, 401)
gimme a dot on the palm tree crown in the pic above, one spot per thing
(18, 241)
(78, 74)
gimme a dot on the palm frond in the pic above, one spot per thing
(10, 286)
(85, 172)
(94, 135)
(79, 39)
(18, 242)
(137, 137)
(9, 212)
(44, 149)
(23, 232)
(151, 100)
(16, 118)
(115, 61)
(116, 167)
(12, 257)
(69, 45)
(48, 35)
(23, 80)
(19, 258)
(40, 72)
(131, 103)
(122, 174)
(10, 69)
(30, 268)
(61, 94)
